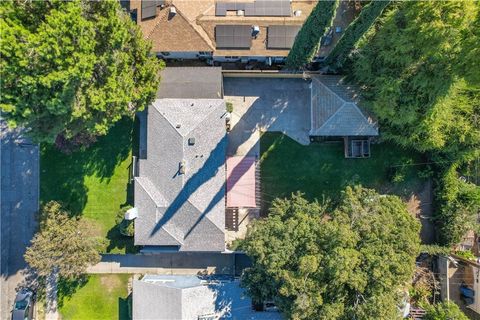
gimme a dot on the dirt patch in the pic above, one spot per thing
(419, 204)
(110, 282)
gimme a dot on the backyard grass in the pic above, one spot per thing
(321, 169)
(101, 297)
(93, 183)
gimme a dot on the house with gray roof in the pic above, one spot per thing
(177, 297)
(180, 177)
(335, 114)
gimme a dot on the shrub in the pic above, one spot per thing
(308, 38)
(229, 107)
(354, 32)
(125, 227)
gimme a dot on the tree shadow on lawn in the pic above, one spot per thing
(63, 176)
(321, 171)
(67, 287)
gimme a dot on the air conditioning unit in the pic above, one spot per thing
(297, 13)
(240, 13)
(173, 11)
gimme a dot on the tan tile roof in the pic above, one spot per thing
(174, 34)
(193, 28)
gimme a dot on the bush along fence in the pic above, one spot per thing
(353, 33)
(308, 38)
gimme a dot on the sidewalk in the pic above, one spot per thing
(166, 263)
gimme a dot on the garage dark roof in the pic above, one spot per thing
(233, 36)
(191, 83)
(281, 37)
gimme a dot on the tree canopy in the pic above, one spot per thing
(414, 73)
(354, 32)
(421, 80)
(308, 38)
(62, 244)
(444, 311)
(353, 262)
(72, 68)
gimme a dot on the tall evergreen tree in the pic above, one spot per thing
(308, 38)
(72, 68)
(354, 32)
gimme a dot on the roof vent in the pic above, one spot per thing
(191, 141)
(178, 125)
(181, 167)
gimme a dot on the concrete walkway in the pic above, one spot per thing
(166, 263)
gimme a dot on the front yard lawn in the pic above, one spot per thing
(93, 182)
(101, 297)
(321, 169)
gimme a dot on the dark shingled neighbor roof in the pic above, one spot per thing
(185, 210)
(334, 110)
(191, 83)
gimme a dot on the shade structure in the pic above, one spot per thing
(241, 182)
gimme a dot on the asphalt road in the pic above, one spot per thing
(19, 196)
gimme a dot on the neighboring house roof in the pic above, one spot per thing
(192, 29)
(186, 210)
(191, 83)
(190, 297)
(171, 32)
(334, 109)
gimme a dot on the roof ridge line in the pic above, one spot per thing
(333, 114)
(148, 192)
(206, 216)
(326, 87)
(171, 124)
(191, 25)
(206, 115)
(174, 237)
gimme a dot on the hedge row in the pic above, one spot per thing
(308, 38)
(354, 32)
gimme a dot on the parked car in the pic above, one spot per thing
(23, 305)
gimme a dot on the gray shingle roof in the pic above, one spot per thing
(191, 83)
(175, 209)
(334, 110)
(188, 297)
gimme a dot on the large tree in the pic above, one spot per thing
(417, 71)
(420, 74)
(308, 38)
(61, 245)
(71, 68)
(352, 263)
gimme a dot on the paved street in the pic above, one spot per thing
(19, 195)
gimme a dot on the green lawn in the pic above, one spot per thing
(101, 297)
(94, 182)
(321, 169)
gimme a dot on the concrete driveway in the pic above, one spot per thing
(266, 104)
